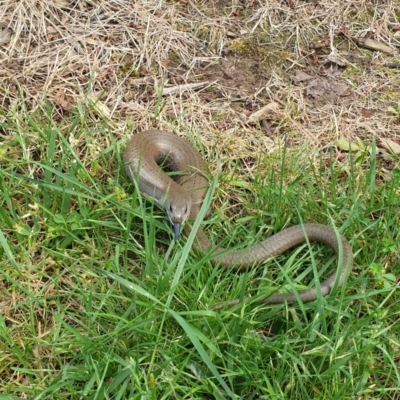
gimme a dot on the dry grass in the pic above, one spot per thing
(125, 52)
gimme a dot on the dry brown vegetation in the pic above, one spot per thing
(134, 59)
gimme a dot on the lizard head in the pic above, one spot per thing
(178, 210)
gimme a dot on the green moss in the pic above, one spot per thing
(352, 73)
(183, 27)
(240, 46)
(127, 69)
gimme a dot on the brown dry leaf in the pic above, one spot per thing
(374, 45)
(340, 88)
(390, 145)
(61, 100)
(316, 88)
(270, 110)
(300, 76)
(367, 112)
(321, 86)
(5, 36)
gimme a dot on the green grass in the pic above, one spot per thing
(98, 302)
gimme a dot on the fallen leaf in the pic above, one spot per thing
(300, 76)
(340, 88)
(101, 107)
(316, 88)
(390, 145)
(346, 145)
(271, 110)
(367, 112)
(61, 100)
(5, 36)
(374, 45)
